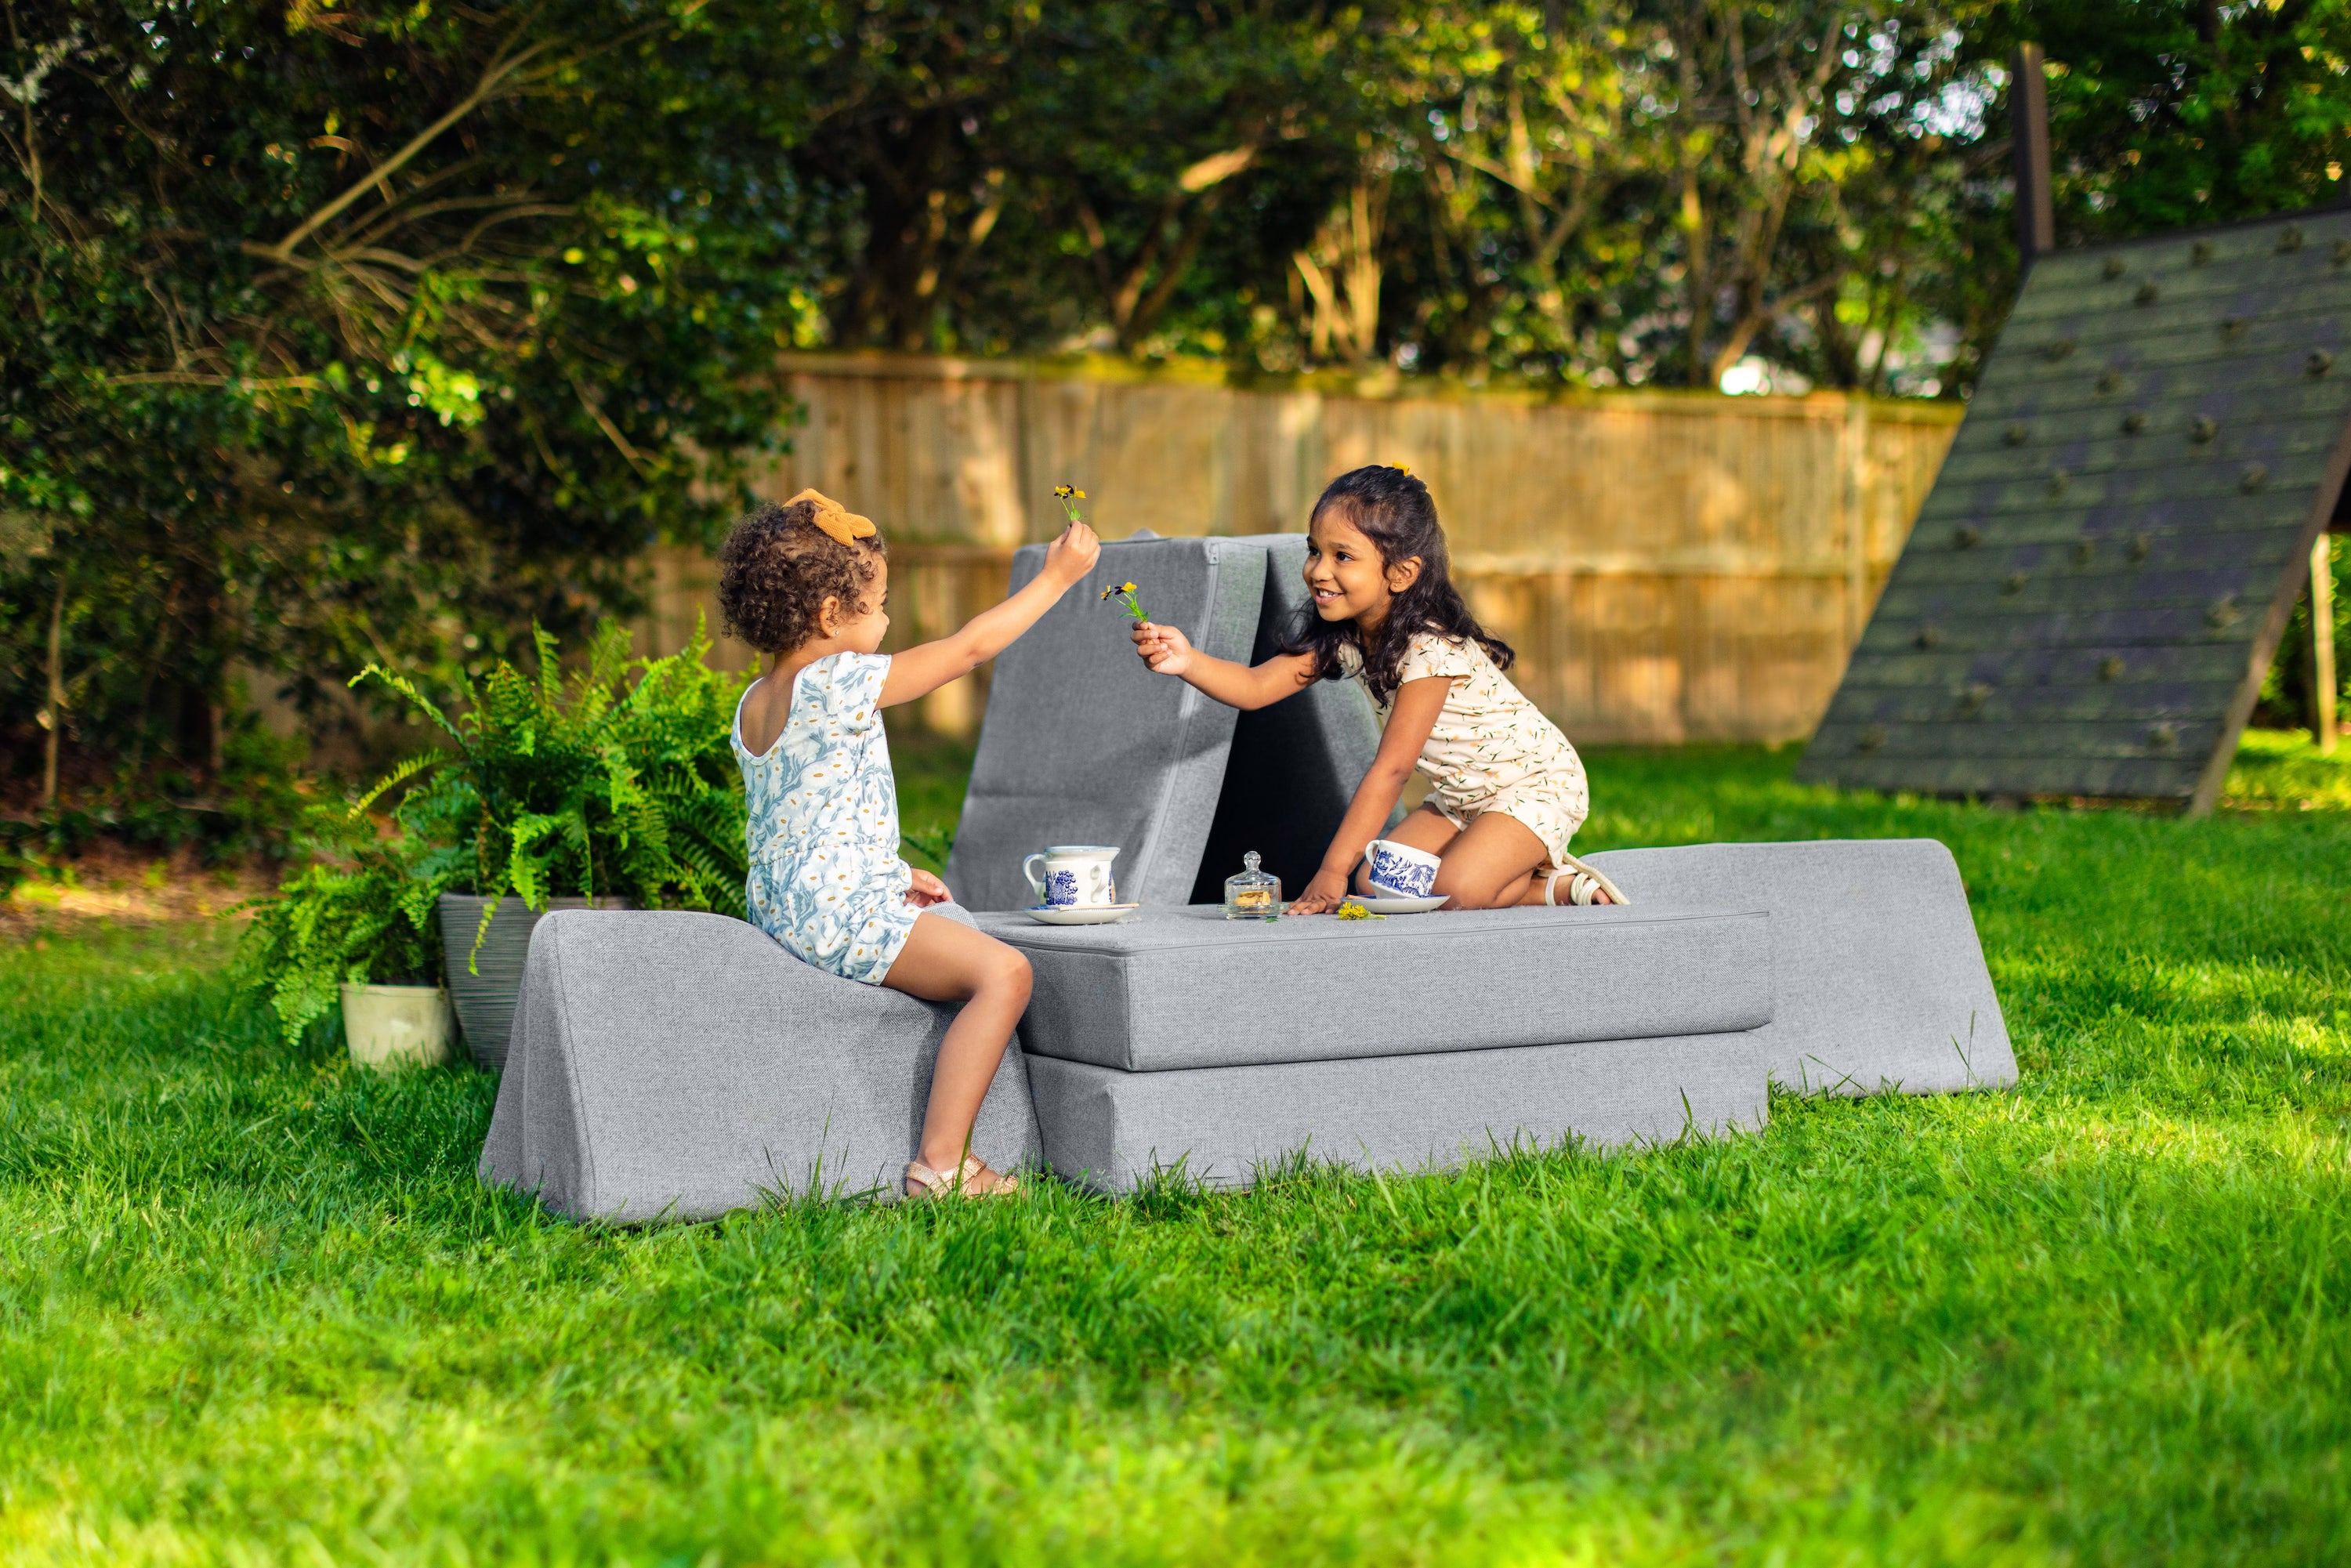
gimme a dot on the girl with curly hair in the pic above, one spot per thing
(1507, 791)
(807, 583)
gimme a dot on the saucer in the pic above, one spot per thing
(1081, 914)
(1397, 905)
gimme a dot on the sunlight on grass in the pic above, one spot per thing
(254, 1306)
(2280, 769)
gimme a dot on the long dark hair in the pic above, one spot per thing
(1395, 512)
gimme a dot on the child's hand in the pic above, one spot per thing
(1323, 894)
(1072, 554)
(1167, 650)
(927, 889)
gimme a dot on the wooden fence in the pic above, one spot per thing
(1671, 567)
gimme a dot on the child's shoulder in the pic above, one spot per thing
(1433, 653)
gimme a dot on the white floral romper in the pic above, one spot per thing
(1492, 750)
(826, 878)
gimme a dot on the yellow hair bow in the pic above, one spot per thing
(834, 518)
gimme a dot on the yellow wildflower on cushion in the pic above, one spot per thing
(1354, 911)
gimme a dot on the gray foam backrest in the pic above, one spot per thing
(1082, 744)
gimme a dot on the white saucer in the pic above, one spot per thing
(1397, 905)
(1081, 914)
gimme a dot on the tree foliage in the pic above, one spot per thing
(379, 333)
(371, 333)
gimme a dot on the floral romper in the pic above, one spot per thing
(826, 879)
(1492, 750)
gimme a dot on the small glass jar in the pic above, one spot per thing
(1252, 895)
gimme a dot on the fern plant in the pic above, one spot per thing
(616, 781)
(369, 922)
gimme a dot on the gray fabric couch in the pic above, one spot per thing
(682, 1065)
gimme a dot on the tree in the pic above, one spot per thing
(370, 333)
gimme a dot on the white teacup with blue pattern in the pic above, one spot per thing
(1399, 871)
(1073, 876)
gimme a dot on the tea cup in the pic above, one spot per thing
(1072, 876)
(1399, 871)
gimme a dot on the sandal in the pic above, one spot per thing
(972, 1178)
(1583, 886)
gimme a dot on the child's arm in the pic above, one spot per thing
(925, 667)
(1170, 653)
(1418, 703)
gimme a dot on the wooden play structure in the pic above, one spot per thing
(2098, 582)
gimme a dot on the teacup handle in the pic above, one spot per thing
(1035, 882)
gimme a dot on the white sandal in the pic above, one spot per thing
(1583, 886)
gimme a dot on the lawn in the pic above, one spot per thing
(253, 1307)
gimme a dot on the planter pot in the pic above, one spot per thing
(485, 993)
(397, 1026)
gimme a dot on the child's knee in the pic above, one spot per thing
(1008, 976)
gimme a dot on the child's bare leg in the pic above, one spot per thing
(944, 961)
(1423, 829)
(1490, 863)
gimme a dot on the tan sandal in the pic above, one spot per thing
(972, 1178)
(1583, 885)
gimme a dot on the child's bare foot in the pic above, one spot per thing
(972, 1179)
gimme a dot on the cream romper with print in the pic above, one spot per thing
(1492, 750)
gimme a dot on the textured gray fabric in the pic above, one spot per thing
(1082, 744)
(1294, 766)
(673, 1065)
(1880, 982)
(485, 980)
(1176, 988)
(1223, 1124)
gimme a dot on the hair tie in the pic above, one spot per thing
(844, 526)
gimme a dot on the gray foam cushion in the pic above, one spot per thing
(1174, 988)
(1223, 1125)
(674, 1066)
(1083, 744)
(1879, 978)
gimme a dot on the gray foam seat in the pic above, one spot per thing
(1185, 1040)
(1879, 978)
(1187, 987)
(672, 1065)
(1082, 744)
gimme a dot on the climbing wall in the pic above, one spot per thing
(2099, 578)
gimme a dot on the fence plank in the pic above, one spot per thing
(1671, 567)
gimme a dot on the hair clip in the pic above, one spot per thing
(843, 525)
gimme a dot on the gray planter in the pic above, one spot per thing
(485, 994)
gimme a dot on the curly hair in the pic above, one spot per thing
(1397, 513)
(777, 570)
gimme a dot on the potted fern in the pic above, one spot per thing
(360, 936)
(611, 787)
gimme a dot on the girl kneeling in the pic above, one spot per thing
(1507, 791)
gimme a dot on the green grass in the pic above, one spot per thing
(253, 1307)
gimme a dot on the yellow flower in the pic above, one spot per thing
(1401, 469)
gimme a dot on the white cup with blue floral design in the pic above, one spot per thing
(1072, 876)
(1399, 871)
